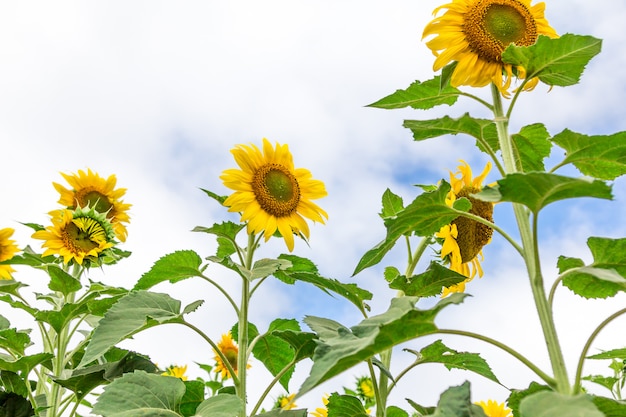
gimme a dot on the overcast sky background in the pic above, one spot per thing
(158, 93)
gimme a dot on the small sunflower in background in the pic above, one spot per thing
(176, 371)
(271, 195)
(463, 239)
(495, 409)
(82, 236)
(8, 249)
(90, 190)
(321, 412)
(474, 33)
(285, 402)
(231, 351)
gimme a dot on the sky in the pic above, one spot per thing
(158, 92)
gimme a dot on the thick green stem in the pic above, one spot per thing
(242, 357)
(531, 252)
(383, 384)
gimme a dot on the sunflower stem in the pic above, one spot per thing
(531, 251)
(383, 384)
(242, 357)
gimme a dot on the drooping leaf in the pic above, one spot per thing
(428, 283)
(437, 352)
(599, 156)
(14, 405)
(25, 364)
(345, 405)
(531, 147)
(603, 278)
(302, 343)
(141, 394)
(457, 402)
(536, 190)
(222, 405)
(305, 271)
(558, 61)
(12, 382)
(266, 267)
(62, 281)
(132, 313)
(340, 348)
(174, 267)
(424, 216)
(420, 95)
(483, 130)
(554, 404)
(274, 352)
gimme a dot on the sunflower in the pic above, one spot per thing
(8, 249)
(79, 235)
(93, 191)
(365, 389)
(271, 194)
(285, 402)
(474, 33)
(231, 352)
(176, 371)
(495, 409)
(463, 239)
(321, 412)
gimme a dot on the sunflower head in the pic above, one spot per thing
(474, 33)
(285, 402)
(176, 371)
(231, 351)
(83, 236)
(321, 412)
(495, 409)
(271, 195)
(463, 239)
(90, 190)
(8, 249)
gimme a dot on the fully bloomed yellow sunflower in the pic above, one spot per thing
(176, 371)
(91, 190)
(495, 409)
(8, 249)
(463, 238)
(474, 33)
(231, 352)
(77, 235)
(271, 194)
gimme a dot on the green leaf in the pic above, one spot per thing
(536, 190)
(59, 319)
(174, 267)
(610, 407)
(284, 413)
(558, 61)
(222, 405)
(62, 281)
(135, 312)
(437, 352)
(14, 405)
(457, 402)
(424, 216)
(420, 95)
(266, 267)
(302, 343)
(305, 271)
(517, 395)
(15, 340)
(345, 405)
(392, 204)
(599, 156)
(391, 273)
(483, 130)
(605, 277)
(531, 147)
(610, 354)
(24, 364)
(227, 230)
(274, 352)
(141, 394)
(219, 198)
(606, 381)
(340, 348)
(194, 396)
(12, 382)
(428, 283)
(394, 411)
(554, 404)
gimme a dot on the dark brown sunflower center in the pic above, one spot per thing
(276, 189)
(473, 235)
(95, 200)
(491, 25)
(78, 240)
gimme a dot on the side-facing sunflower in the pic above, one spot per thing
(271, 194)
(77, 235)
(8, 249)
(176, 371)
(474, 33)
(464, 239)
(495, 409)
(93, 191)
(285, 402)
(231, 352)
